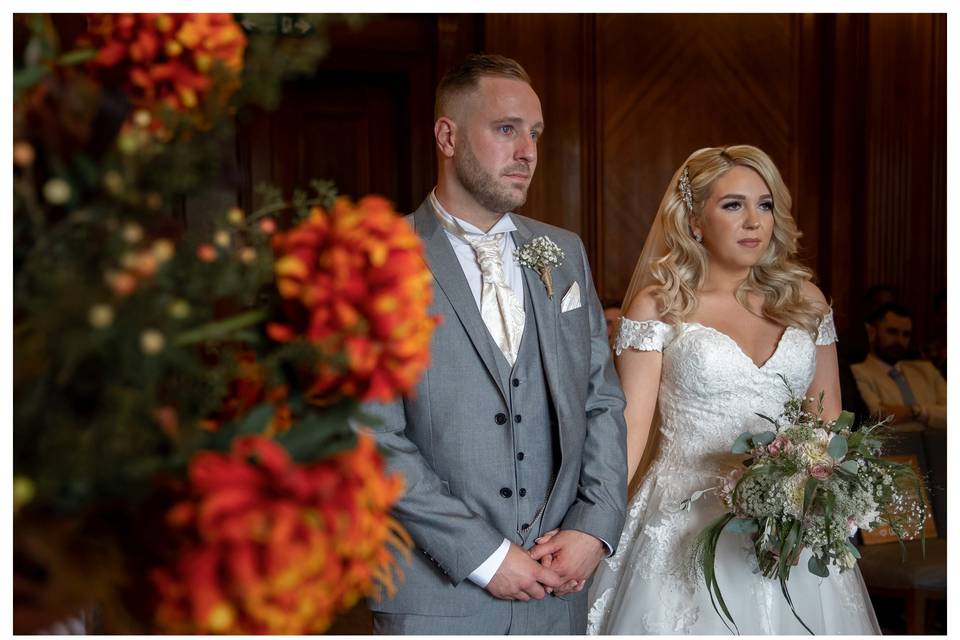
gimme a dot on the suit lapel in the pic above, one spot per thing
(545, 312)
(449, 276)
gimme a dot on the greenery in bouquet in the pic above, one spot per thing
(186, 455)
(809, 484)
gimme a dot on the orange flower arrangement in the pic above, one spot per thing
(354, 283)
(273, 547)
(168, 58)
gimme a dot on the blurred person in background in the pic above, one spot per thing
(912, 391)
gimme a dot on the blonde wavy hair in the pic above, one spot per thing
(679, 273)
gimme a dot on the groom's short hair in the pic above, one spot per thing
(464, 78)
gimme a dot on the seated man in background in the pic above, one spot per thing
(912, 391)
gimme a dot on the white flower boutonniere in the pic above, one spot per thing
(542, 255)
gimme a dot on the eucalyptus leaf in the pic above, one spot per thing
(817, 567)
(843, 421)
(837, 447)
(852, 549)
(742, 525)
(850, 466)
(742, 443)
(766, 437)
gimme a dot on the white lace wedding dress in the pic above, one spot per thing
(710, 392)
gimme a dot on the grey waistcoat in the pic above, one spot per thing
(532, 421)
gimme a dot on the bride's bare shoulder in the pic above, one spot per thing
(644, 305)
(812, 294)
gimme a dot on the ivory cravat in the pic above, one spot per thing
(499, 308)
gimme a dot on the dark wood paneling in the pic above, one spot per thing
(671, 84)
(846, 45)
(365, 119)
(888, 213)
(852, 108)
(551, 50)
(905, 152)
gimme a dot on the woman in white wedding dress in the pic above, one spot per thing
(718, 309)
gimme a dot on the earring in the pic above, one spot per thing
(698, 236)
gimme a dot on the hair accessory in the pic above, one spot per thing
(685, 189)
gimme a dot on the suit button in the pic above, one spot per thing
(517, 418)
(506, 493)
(516, 382)
(523, 492)
(520, 456)
(501, 418)
(524, 526)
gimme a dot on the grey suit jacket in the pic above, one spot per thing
(454, 456)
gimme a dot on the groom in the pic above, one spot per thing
(517, 427)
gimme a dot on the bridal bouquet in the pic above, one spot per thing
(185, 395)
(810, 484)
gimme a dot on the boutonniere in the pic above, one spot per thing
(541, 254)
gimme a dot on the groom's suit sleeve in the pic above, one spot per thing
(600, 506)
(448, 533)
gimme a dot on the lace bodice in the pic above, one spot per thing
(711, 391)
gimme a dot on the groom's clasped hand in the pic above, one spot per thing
(559, 564)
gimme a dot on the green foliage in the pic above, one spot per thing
(125, 341)
(837, 447)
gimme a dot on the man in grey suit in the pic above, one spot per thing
(517, 428)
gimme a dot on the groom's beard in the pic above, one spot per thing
(485, 189)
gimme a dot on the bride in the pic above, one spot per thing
(717, 310)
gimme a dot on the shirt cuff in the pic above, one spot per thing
(607, 546)
(483, 574)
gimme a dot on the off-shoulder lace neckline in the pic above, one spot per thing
(773, 354)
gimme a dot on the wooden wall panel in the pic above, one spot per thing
(852, 108)
(551, 49)
(888, 205)
(844, 95)
(365, 119)
(688, 82)
(904, 161)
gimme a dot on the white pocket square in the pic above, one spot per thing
(571, 299)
